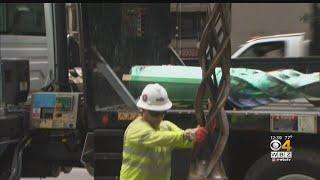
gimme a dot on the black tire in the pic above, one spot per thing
(306, 162)
(66, 169)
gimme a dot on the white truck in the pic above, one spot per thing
(23, 34)
(283, 45)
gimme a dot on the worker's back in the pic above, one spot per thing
(147, 152)
(141, 162)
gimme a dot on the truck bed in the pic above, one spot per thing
(299, 106)
(290, 113)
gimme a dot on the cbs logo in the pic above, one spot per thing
(276, 145)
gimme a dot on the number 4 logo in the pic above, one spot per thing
(287, 145)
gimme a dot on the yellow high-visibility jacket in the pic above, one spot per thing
(147, 152)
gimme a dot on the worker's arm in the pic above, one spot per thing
(172, 127)
(151, 137)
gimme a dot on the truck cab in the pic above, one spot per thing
(24, 33)
(284, 45)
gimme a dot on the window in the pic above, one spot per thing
(2, 17)
(71, 18)
(268, 50)
(189, 24)
(22, 19)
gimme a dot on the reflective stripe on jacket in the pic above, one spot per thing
(147, 152)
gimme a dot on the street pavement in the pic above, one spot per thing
(75, 174)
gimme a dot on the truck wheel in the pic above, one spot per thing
(66, 169)
(304, 165)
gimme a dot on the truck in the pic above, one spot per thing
(283, 45)
(92, 138)
(27, 32)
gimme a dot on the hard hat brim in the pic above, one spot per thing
(163, 107)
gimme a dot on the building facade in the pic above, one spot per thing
(248, 20)
(261, 19)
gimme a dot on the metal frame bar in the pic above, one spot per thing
(60, 45)
(84, 47)
(104, 68)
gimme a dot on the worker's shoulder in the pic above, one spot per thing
(167, 122)
(137, 123)
(137, 127)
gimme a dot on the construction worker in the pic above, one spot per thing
(149, 140)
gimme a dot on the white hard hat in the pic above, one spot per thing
(154, 97)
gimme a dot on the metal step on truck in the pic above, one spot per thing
(59, 128)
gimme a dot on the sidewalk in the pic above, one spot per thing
(75, 174)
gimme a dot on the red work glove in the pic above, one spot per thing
(201, 134)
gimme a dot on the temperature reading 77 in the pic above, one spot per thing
(288, 137)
